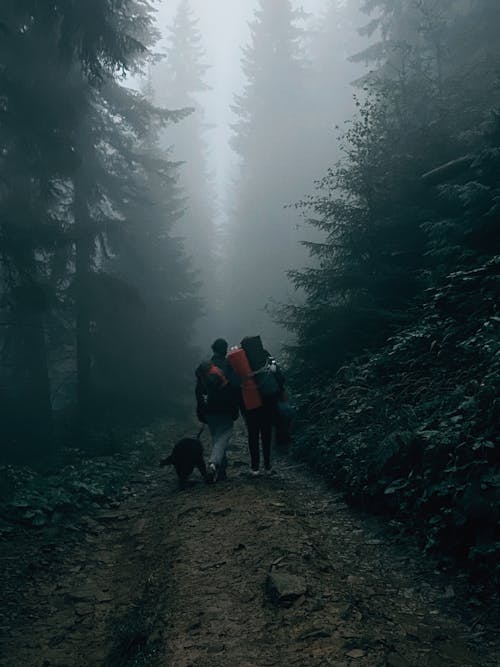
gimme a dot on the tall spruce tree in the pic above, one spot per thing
(44, 61)
(271, 134)
(138, 366)
(127, 35)
(71, 160)
(179, 81)
(333, 38)
(374, 206)
(130, 362)
(407, 423)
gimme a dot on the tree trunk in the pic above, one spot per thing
(38, 396)
(26, 419)
(26, 404)
(83, 266)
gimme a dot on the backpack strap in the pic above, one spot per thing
(215, 370)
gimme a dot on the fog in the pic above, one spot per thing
(228, 168)
(219, 180)
(324, 174)
(225, 31)
(151, 163)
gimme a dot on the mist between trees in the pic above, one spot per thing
(110, 251)
(361, 226)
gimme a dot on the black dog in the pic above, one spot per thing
(185, 457)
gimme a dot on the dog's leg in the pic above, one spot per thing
(202, 468)
(182, 483)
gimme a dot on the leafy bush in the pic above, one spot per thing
(34, 499)
(412, 429)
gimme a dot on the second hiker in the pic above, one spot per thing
(262, 387)
(217, 398)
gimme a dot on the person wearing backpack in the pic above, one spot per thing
(217, 405)
(260, 421)
(262, 387)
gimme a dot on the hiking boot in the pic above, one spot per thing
(254, 473)
(211, 473)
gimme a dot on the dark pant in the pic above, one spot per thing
(260, 426)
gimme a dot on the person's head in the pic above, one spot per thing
(219, 347)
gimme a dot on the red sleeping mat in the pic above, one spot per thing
(239, 363)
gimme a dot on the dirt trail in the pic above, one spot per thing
(245, 573)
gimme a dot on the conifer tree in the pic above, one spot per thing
(371, 262)
(271, 135)
(72, 161)
(126, 37)
(41, 103)
(179, 82)
(333, 38)
(374, 206)
(146, 274)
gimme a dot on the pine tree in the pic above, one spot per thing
(179, 82)
(374, 207)
(40, 108)
(126, 36)
(332, 39)
(137, 343)
(71, 160)
(371, 207)
(368, 267)
(440, 48)
(270, 138)
(181, 78)
(134, 292)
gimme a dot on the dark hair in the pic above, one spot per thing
(220, 346)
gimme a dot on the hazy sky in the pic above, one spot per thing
(224, 25)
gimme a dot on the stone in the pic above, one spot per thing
(317, 633)
(284, 588)
(356, 653)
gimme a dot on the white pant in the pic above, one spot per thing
(221, 430)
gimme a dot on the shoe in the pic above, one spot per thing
(211, 473)
(270, 472)
(254, 473)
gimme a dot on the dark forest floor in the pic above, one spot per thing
(177, 579)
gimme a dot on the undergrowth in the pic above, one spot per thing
(413, 429)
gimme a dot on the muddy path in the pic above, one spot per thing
(244, 573)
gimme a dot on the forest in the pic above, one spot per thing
(358, 234)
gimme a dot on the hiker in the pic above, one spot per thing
(261, 421)
(262, 388)
(217, 400)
